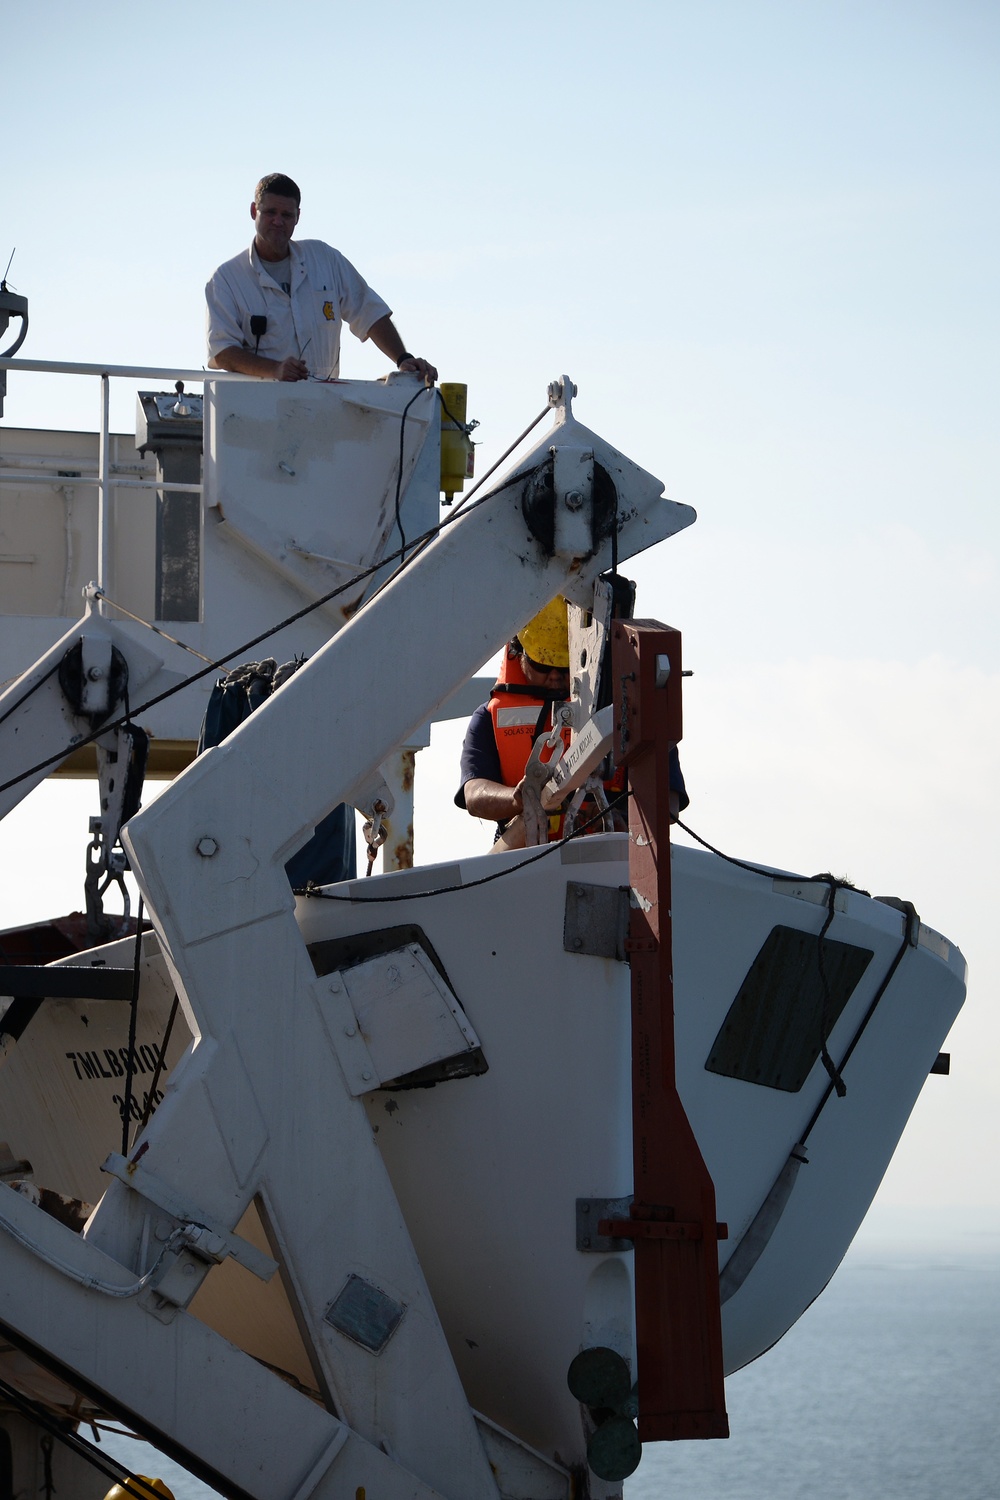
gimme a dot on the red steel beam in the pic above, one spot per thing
(672, 1220)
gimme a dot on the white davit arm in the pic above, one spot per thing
(321, 737)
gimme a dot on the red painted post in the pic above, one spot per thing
(672, 1221)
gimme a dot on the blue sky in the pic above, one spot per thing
(762, 239)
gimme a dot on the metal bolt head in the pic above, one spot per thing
(366, 1077)
(350, 1031)
(574, 500)
(206, 847)
(94, 674)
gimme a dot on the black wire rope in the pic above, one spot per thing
(833, 1069)
(161, 1062)
(132, 1019)
(247, 646)
(110, 1467)
(742, 864)
(505, 455)
(824, 1021)
(911, 927)
(358, 577)
(465, 427)
(25, 696)
(323, 894)
(399, 475)
(428, 536)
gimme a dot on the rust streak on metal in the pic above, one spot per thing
(403, 851)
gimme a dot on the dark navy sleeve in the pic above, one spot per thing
(677, 779)
(480, 756)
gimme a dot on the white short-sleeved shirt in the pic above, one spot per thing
(326, 293)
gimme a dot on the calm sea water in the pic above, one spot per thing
(887, 1389)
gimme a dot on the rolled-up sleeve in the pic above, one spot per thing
(360, 307)
(223, 315)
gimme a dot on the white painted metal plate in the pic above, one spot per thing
(406, 1013)
(268, 461)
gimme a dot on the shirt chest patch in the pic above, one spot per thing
(329, 312)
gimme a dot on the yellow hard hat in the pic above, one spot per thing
(546, 637)
(140, 1483)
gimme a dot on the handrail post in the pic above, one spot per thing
(104, 494)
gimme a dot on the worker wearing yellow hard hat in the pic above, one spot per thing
(545, 638)
(533, 679)
(140, 1484)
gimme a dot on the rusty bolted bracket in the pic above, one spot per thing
(657, 1229)
(592, 1215)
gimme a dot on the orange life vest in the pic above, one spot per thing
(520, 714)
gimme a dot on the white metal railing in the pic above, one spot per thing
(143, 372)
(106, 479)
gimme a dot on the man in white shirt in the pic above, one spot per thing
(276, 311)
